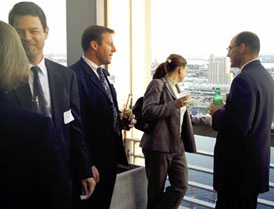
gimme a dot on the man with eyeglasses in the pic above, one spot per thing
(242, 150)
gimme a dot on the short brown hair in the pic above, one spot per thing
(27, 8)
(93, 33)
(250, 39)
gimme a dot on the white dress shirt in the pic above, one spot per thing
(91, 64)
(248, 63)
(94, 67)
(177, 94)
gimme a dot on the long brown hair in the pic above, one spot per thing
(171, 63)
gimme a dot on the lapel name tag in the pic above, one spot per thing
(68, 117)
(111, 79)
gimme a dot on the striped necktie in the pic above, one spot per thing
(39, 103)
(105, 85)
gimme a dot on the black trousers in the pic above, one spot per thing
(158, 166)
(235, 201)
(101, 197)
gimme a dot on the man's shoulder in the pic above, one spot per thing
(57, 67)
(77, 65)
(80, 68)
(254, 72)
(50, 63)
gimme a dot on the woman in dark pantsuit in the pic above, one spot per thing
(164, 147)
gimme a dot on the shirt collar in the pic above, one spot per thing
(42, 66)
(248, 63)
(170, 81)
(90, 63)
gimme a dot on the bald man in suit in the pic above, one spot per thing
(242, 150)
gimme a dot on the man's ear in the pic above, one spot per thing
(243, 48)
(46, 32)
(93, 45)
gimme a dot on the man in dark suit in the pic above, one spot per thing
(100, 114)
(60, 92)
(242, 150)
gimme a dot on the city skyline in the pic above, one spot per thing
(201, 28)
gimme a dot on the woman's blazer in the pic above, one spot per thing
(159, 104)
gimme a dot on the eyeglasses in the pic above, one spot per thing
(231, 47)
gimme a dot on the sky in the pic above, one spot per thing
(202, 27)
(188, 27)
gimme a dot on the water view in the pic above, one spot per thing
(207, 144)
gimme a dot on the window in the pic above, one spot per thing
(201, 31)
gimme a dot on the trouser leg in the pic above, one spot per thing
(230, 200)
(156, 170)
(178, 178)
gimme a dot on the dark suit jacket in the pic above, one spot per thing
(159, 105)
(242, 150)
(31, 172)
(104, 145)
(64, 97)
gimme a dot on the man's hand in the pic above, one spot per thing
(88, 186)
(213, 108)
(95, 174)
(121, 115)
(132, 120)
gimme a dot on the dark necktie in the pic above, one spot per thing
(39, 103)
(105, 85)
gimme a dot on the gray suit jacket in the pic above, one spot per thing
(166, 137)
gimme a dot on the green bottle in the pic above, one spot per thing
(218, 99)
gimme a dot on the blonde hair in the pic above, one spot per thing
(14, 64)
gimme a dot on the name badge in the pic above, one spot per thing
(111, 79)
(68, 117)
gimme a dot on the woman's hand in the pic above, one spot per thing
(182, 101)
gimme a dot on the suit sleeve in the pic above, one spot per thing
(239, 110)
(152, 107)
(51, 167)
(80, 157)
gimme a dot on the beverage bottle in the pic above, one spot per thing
(35, 104)
(127, 111)
(218, 99)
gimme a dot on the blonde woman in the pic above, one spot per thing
(14, 65)
(30, 174)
